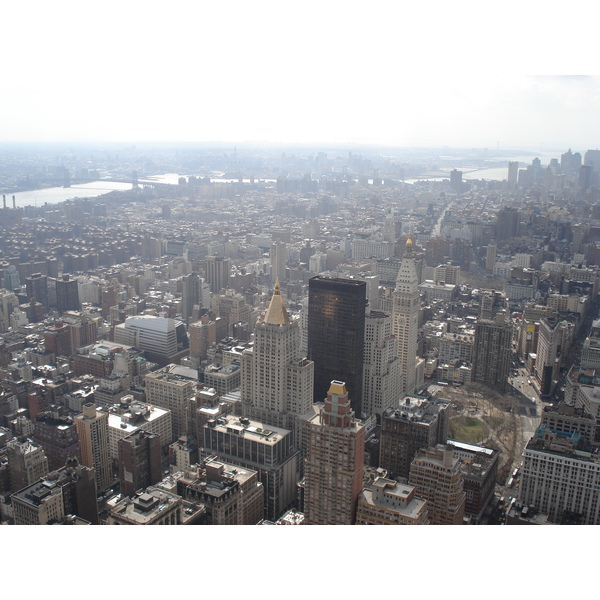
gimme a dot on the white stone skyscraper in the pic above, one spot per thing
(381, 373)
(405, 319)
(276, 380)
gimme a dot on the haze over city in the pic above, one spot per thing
(333, 72)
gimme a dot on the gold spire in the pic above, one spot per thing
(276, 313)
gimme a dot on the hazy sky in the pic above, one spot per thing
(354, 72)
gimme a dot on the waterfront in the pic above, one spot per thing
(60, 194)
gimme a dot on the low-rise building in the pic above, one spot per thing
(387, 502)
(152, 506)
(231, 495)
(67, 491)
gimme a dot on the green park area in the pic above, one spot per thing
(468, 430)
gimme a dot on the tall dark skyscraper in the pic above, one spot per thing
(67, 294)
(492, 342)
(191, 295)
(336, 335)
(36, 287)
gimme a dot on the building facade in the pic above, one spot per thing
(336, 330)
(92, 430)
(405, 318)
(335, 461)
(437, 477)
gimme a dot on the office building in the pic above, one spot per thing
(217, 270)
(151, 506)
(67, 294)
(172, 389)
(405, 319)
(195, 293)
(139, 461)
(570, 419)
(590, 353)
(56, 433)
(479, 466)
(223, 379)
(57, 339)
(336, 335)
(513, 173)
(36, 287)
(490, 256)
(554, 339)
(334, 465)
(278, 260)
(436, 475)
(229, 494)
(559, 478)
(232, 307)
(266, 449)
(387, 502)
(27, 463)
(163, 340)
(204, 334)
(507, 223)
(276, 381)
(492, 342)
(381, 372)
(92, 429)
(70, 490)
(415, 422)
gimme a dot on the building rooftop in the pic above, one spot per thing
(254, 430)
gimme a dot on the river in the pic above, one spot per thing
(60, 194)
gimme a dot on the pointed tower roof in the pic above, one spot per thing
(407, 274)
(277, 314)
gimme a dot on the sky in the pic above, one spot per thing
(461, 74)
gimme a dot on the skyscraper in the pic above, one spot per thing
(276, 380)
(436, 475)
(139, 461)
(513, 173)
(92, 429)
(381, 372)
(414, 423)
(36, 287)
(405, 318)
(278, 259)
(507, 223)
(492, 342)
(336, 334)
(170, 389)
(217, 269)
(67, 294)
(335, 461)
(191, 294)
